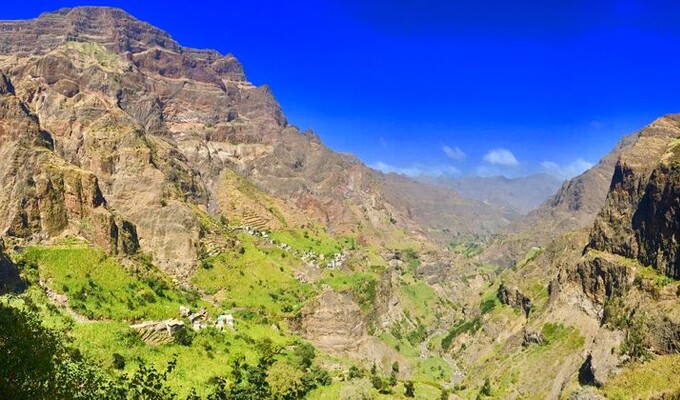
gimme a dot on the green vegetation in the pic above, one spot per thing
(619, 315)
(311, 240)
(98, 287)
(535, 365)
(362, 284)
(459, 328)
(565, 336)
(529, 257)
(646, 380)
(94, 52)
(469, 246)
(418, 297)
(433, 369)
(648, 273)
(253, 278)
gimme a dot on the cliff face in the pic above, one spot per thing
(44, 196)
(640, 217)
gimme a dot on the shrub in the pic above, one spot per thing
(360, 389)
(409, 389)
(184, 336)
(118, 361)
(355, 373)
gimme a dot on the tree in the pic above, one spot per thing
(247, 382)
(409, 389)
(485, 390)
(444, 395)
(303, 355)
(285, 381)
(395, 367)
(35, 363)
(147, 383)
(184, 336)
(316, 376)
(28, 351)
(267, 349)
(393, 379)
(355, 373)
(118, 361)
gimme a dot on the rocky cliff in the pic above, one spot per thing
(43, 195)
(626, 278)
(640, 217)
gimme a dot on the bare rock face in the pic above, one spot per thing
(603, 276)
(334, 323)
(640, 218)
(42, 195)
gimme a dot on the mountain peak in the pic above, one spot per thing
(121, 33)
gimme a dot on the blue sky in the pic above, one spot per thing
(445, 87)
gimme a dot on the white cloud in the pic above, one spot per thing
(501, 157)
(566, 171)
(417, 170)
(455, 154)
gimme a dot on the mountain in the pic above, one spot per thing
(573, 207)
(162, 128)
(519, 195)
(165, 230)
(596, 298)
(155, 203)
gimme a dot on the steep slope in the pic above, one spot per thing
(108, 118)
(162, 127)
(639, 219)
(627, 276)
(44, 196)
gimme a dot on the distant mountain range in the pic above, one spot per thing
(517, 195)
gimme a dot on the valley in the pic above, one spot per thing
(167, 233)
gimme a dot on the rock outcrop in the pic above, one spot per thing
(512, 297)
(637, 225)
(334, 323)
(158, 332)
(631, 260)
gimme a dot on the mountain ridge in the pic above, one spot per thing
(194, 115)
